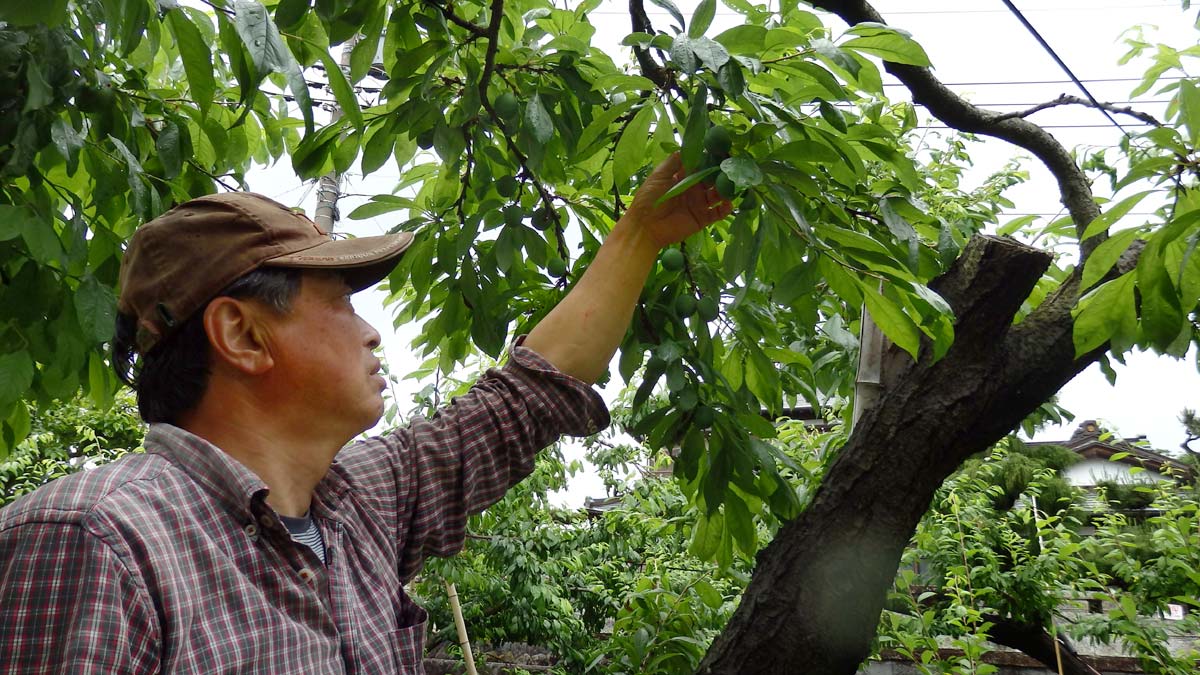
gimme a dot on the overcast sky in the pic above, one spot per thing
(985, 53)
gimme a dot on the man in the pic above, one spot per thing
(246, 538)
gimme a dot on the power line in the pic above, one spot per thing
(1061, 126)
(1061, 64)
(665, 14)
(1016, 82)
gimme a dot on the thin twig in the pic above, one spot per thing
(473, 28)
(1065, 99)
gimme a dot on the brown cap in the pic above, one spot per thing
(179, 261)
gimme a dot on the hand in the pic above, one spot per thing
(679, 217)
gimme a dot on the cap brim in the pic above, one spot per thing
(363, 260)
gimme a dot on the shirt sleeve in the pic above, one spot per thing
(427, 478)
(70, 605)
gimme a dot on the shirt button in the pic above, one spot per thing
(251, 531)
(306, 575)
(266, 520)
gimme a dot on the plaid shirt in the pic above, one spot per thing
(171, 561)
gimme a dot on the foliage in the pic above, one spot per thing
(67, 437)
(518, 142)
(557, 578)
(980, 558)
(1127, 495)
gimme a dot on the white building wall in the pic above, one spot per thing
(1087, 472)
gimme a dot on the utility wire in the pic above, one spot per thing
(1015, 82)
(1061, 64)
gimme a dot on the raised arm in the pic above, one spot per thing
(581, 333)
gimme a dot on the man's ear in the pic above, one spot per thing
(238, 335)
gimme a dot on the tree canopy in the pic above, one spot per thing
(519, 143)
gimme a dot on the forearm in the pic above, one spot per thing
(581, 333)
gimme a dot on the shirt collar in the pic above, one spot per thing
(212, 468)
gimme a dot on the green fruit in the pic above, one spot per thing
(513, 215)
(506, 106)
(556, 267)
(672, 260)
(507, 186)
(718, 142)
(725, 187)
(543, 218)
(425, 139)
(704, 417)
(685, 306)
(708, 309)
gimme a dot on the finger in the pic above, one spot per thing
(668, 167)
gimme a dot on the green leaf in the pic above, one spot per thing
(539, 121)
(1162, 317)
(41, 238)
(630, 361)
(260, 37)
(289, 13)
(48, 13)
(702, 18)
(1189, 109)
(740, 524)
(832, 115)
(692, 152)
(170, 151)
(732, 82)
(630, 154)
(673, 10)
(683, 56)
(133, 173)
(1111, 216)
(1106, 255)
(891, 47)
(269, 54)
(15, 220)
(706, 537)
(96, 309)
(197, 58)
(39, 94)
(707, 594)
(710, 53)
(892, 320)
(687, 182)
(342, 91)
(1104, 313)
(744, 39)
(16, 376)
(743, 171)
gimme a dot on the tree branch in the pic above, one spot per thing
(650, 68)
(1065, 99)
(1036, 643)
(492, 33)
(956, 112)
(473, 28)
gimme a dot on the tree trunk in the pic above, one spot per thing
(819, 587)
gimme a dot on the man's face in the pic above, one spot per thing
(324, 359)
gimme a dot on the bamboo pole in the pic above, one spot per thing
(461, 626)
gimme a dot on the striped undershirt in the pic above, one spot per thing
(304, 531)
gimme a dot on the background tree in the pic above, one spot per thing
(518, 144)
(66, 437)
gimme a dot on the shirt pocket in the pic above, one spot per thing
(408, 643)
